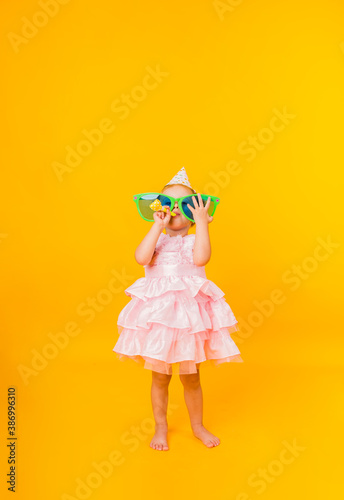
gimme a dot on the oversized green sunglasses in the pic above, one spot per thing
(143, 200)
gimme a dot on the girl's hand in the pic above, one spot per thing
(161, 219)
(200, 211)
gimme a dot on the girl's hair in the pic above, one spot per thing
(194, 192)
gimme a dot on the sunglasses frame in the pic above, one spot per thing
(214, 199)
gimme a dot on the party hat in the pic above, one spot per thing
(180, 178)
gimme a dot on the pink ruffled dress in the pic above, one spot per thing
(176, 317)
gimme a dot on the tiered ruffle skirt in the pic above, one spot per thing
(172, 323)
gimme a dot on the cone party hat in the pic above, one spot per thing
(180, 178)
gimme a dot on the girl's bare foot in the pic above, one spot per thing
(159, 441)
(205, 436)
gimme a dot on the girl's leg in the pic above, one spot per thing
(159, 396)
(194, 401)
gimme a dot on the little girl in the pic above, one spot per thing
(176, 318)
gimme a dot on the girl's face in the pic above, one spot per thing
(177, 191)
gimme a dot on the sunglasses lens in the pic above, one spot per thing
(164, 200)
(211, 205)
(188, 201)
(144, 203)
(185, 207)
(147, 199)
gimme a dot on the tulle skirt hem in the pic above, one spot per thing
(183, 367)
(171, 350)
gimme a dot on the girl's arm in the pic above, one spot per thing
(144, 252)
(202, 247)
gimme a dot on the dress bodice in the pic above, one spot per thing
(173, 250)
(173, 257)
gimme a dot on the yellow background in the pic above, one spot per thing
(227, 70)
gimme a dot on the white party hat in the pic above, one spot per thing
(180, 178)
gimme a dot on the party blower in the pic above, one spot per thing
(156, 205)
